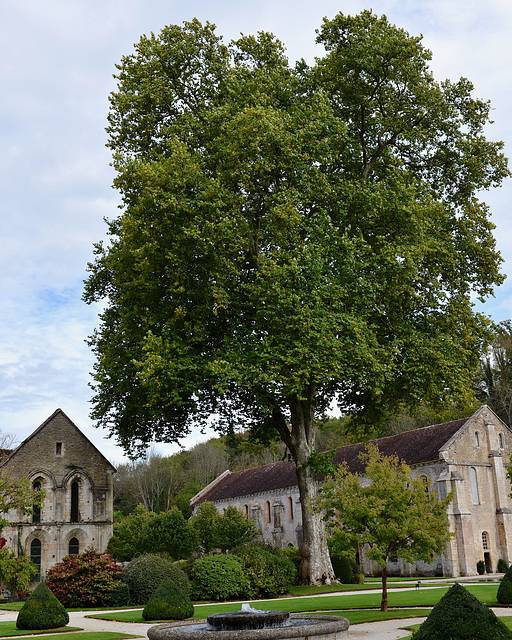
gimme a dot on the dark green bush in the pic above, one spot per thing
(480, 567)
(144, 574)
(219, 577)
(169, 602)
(460, 616)
(292, 554)
(504, 594)
(502, 566)
(267, 572)
(119, 596)
(342, 568)
(42, 610)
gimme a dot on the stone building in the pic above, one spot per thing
(467, 455)
(78, 507)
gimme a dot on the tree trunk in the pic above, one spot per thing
(315, 566)
(384, 601)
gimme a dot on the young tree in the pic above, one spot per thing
(385, 512)
(234, 528)
(290, 236)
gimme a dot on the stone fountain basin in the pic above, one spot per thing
(300, 628)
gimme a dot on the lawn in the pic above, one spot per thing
(330, 603)
(8, 629)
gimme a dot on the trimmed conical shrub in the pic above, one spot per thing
(460, 616)
(42, 610)
(504, 594)
(169, 602)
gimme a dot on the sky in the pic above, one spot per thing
(57, 60)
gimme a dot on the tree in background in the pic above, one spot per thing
(234, 529)
(493, 382)
(386, 512)
(290, 236)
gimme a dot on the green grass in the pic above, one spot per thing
(411, 598)
(9, 629)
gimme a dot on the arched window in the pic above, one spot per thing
(36, 509)
(424, 479)
(500, 440)
(75, 492)
(246, 508)
(35, 556)
(268, 514)
(290, 508)
(74, 547)
(474, 485)
(485, 541)
(477, 440)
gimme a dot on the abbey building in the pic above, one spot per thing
(78, 507)
(467, 455)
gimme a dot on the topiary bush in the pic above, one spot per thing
(459, 616)
(504, 594)
(219, 577)
(85, 580)
(169, 602)
(502, 566)
(144, 574)
(480, 567)
(267, 572)
(42, 610)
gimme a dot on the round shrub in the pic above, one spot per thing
(267, 572)
(292, 554)
(502, 566)
(219, 577)
(459, 616)
(144, 574)
(84, 580)
(504, 594)
(480, 567)
(42, 610)
(119, 596)
(169, 602)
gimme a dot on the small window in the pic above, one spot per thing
(485, 541)
(58, 448)
(290, 508)
(36, 509)
(75, 491)
(35, 556)
(268, 512)
(246, 508)
(500, 440)
(474, 485)
(424, 479)
(477, 440)
(74, 547)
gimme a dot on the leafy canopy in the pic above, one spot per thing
(289, 235)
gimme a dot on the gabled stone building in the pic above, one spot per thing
(78, 507)
(468, 456)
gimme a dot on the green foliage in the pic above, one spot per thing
(502, 566)
(234, 529)
(142, 532)
(480, 567)
(86, 579)
(504, 595)
(218, 577)
(390, 514)
(459, 616)
(269, 574)
(169, 602)
(205, 522)
(145, 573)
(292, 554)
(17, 493)
(290, 235)
(16, 572)
(42, 610)
(342, 568)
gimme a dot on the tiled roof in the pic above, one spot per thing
(412, 447)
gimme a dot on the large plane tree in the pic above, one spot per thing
(290, 236)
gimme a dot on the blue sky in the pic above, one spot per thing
(57, 59)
